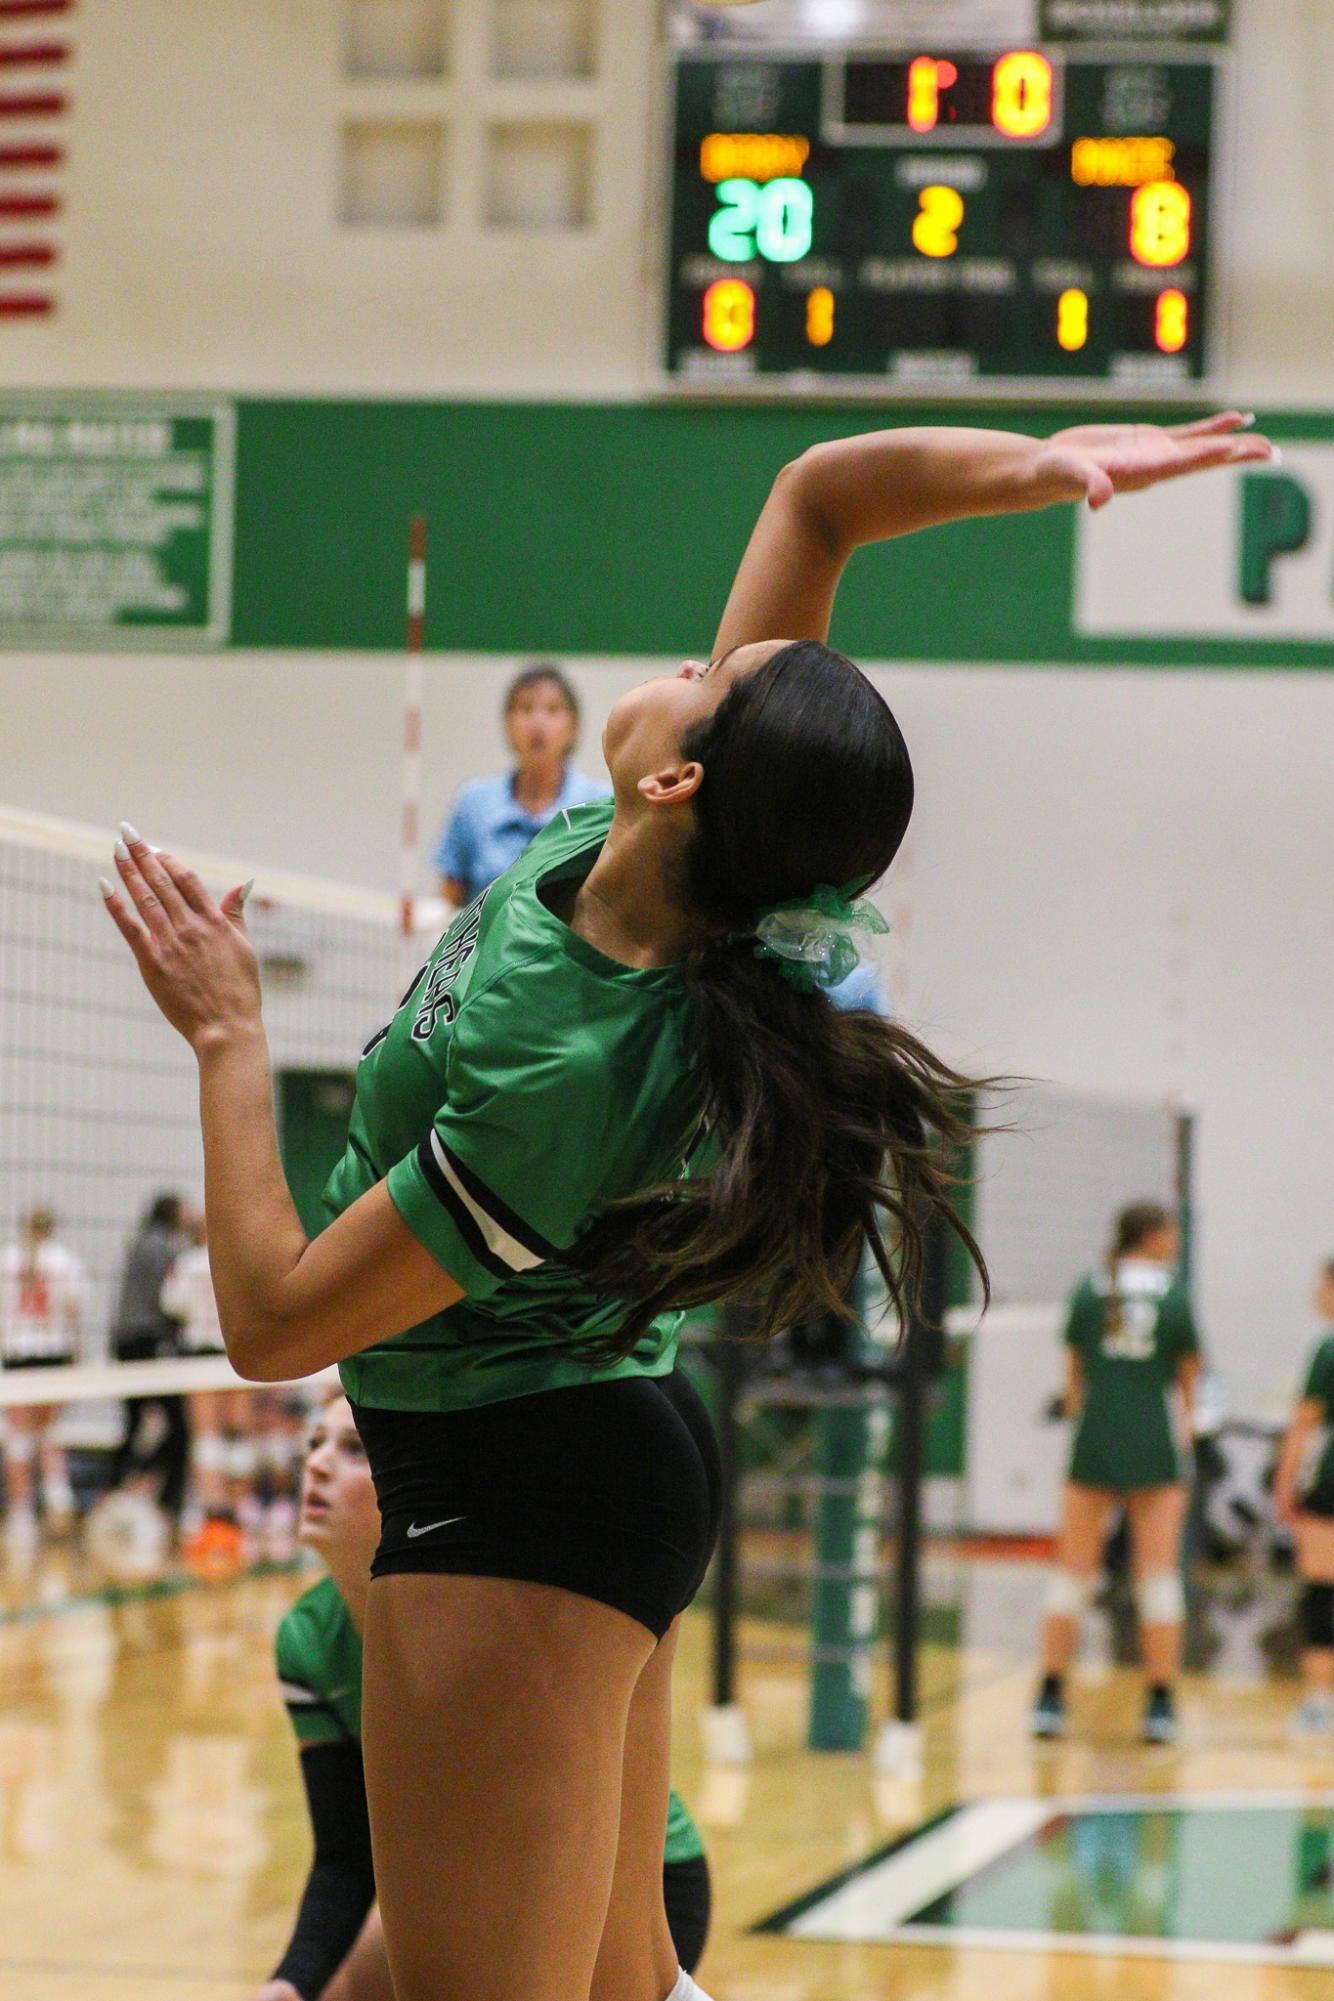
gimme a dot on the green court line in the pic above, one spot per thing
(110, 1595)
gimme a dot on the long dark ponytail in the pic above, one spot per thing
(827, 1130)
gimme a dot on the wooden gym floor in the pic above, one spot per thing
(153, 1838)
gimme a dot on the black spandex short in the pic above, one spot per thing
(37, 1362)
(611, 1489)
(688, 1896)
(1319, 1500)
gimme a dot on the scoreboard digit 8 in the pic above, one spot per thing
(1018, 216)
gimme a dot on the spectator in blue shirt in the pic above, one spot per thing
(494, 819)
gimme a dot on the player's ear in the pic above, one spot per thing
(673, 785)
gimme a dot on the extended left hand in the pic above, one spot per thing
(193, 953)
(1094, 462)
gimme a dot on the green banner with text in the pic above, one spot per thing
(115, 521)
(616, 529)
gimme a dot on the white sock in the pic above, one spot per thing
(686, 1989)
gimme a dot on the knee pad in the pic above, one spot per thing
(1161, 1598)
(1318, 1615)
(1067, 1594)
(20, 1447)
(208, 1450)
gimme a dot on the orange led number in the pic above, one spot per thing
(926, 79)
(820, 316)
(935, 230)
(1159, 223)
(1072, 320)
(1171, 321)
(729, 315)
(1021, 94)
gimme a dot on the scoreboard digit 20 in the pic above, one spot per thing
(1020, 216)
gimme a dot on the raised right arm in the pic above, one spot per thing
(839, 496)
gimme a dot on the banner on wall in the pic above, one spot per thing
(1251, 558)
(116, 521)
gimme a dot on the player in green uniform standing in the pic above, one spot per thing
(1309, 1512)
(337, 1949)
(517, 1227)
(1130, 1345)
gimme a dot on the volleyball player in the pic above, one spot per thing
(516, 1227)
(320, 1668)
(1131, 1345)
(216, 1417)
(1309, 1511)
(42, 1295)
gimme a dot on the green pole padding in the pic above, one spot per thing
(850, 1441)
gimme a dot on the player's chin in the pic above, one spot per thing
(315, 1529)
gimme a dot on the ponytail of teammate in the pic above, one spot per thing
(822, 1124)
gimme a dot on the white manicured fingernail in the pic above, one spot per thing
(243, 894)
(1275, 456)
(1247, 420)
(128, 833)
(121, 852)
(107, 891)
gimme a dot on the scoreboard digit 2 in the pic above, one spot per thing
(943, 218)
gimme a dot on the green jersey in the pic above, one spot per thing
(1130, 1357)
(319, 1667)
(526, 1081)
(1320, 1389)
(319, 1671)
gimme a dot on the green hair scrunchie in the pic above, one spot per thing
(812, 939)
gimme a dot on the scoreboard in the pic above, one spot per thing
(1023, 216)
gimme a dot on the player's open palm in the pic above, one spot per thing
(1094, 462)
(193, 953)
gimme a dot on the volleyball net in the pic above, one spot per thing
(99, 1099)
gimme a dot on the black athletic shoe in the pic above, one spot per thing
(1160, 1717)
(1048, 1718)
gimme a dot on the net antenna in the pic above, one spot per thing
(412, 734)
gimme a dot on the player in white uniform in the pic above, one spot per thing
(221, 1456)
(42, 1294)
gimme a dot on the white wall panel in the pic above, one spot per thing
(204, 249)
(1119, 880)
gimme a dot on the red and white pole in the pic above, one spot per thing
(412, 727)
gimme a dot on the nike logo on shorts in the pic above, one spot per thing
(426, 1527)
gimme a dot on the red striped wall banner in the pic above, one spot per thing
(31, 156)
(28, 148)
(23, 207)
(33, 104)
(34, 55)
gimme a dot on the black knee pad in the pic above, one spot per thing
(1318, 1615)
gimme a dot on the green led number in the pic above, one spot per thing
(774, 221)
(784, 232)
(732, 226)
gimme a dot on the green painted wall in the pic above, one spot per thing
(616, 528)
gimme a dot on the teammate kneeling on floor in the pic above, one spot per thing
(1310, 1516)
(1130, 1340)
(337, 1950)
